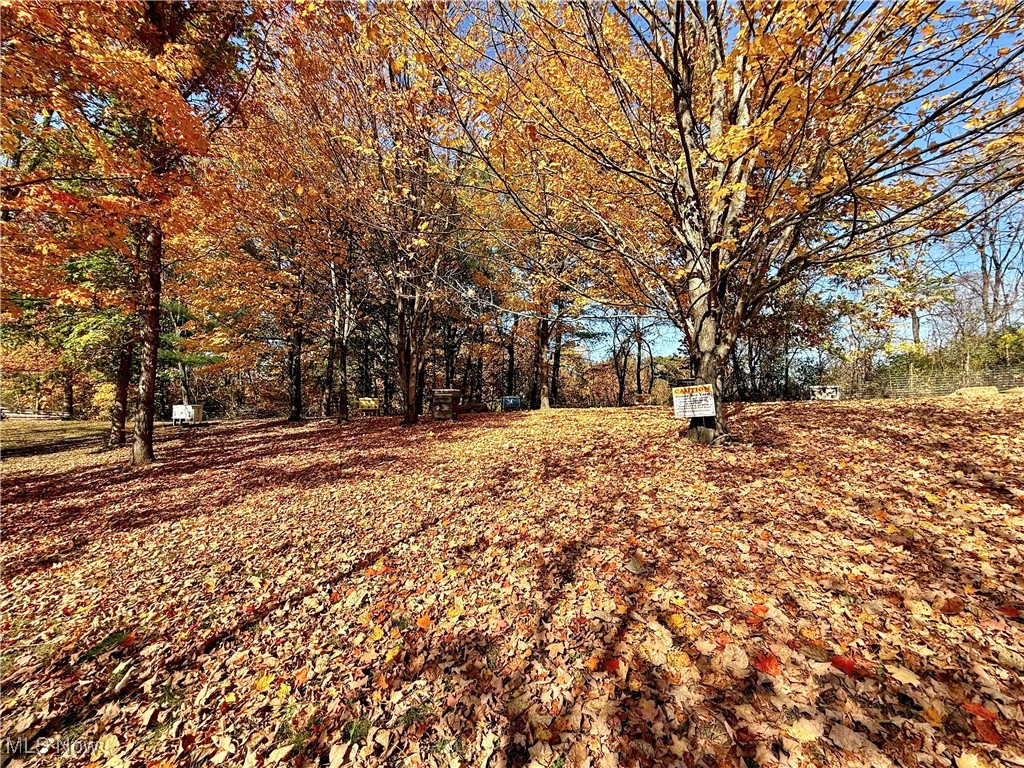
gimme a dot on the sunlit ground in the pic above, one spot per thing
(840, 586)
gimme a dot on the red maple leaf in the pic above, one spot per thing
(768, 663)
(846, 665)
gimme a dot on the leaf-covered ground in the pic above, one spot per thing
(840, 587)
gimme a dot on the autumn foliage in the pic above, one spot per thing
(279, 209)
(446, 180)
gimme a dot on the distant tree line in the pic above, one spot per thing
(277, 208)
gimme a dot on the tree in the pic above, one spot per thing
(993, 246)
(123, 136)
(786, 350)
(718, 153)
(620, 338)
(342, 179)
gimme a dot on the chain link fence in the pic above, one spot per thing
(913, 383)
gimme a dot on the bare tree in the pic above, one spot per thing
(989, 258)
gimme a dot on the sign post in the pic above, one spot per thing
(697, 401)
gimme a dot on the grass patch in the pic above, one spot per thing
(26, 435)
(103, 645)
(297, 737)
(7, 662)
(415, 714)
(171, 698)
(355, 730)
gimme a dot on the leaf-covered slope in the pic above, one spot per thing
(570, 588)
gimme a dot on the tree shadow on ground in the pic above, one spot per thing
(23, 438)
(506, 689)
(58, 446)
(635, 705)
(200, 472)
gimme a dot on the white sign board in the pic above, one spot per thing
(824, 393)
(690, 402)
(192, 414)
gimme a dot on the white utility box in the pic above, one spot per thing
(186, 414)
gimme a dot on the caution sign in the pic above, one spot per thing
(690, 402)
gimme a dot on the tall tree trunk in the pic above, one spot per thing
(650, 370)
(556, 366)
(387, 383)
(119, 408)
(540, 392)
(915, 325)
(469, 379)
(341, 287)
(510, 375)
(621, 372)
(785, 374)
(411, 415)
(186, 390)
(709, 345)
(343, 414)
(327, 391)
(295, 369)
(421, 383)
(407, 380)
(366, 378)
(142, 446)
(639, 363)
(752, 372)
(478, 394)
(708, 353)
(408, 367)
(451, 345)
(467, 375)
(475, 393)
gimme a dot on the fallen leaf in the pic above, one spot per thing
(805, 730)
(846, 665)
(969, 760)
(950, 606)
(986, 731)
(904, 675)
(263, 683)
(280, 753)
(733, 660)
(767, 663)
(977, 709)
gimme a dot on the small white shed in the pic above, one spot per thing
(186, 414)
